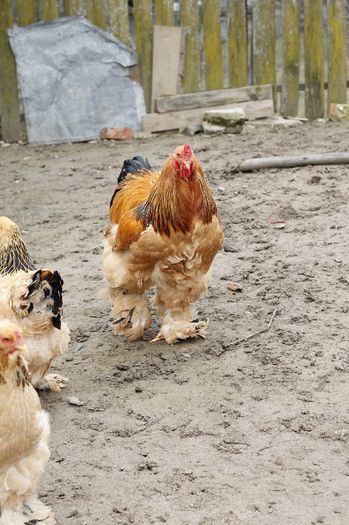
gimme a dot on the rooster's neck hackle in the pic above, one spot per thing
(175, 201)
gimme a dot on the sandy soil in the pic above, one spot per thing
(202, 433)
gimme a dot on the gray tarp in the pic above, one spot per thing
(74, 80)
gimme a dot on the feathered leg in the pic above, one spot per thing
(178, 324)
(131, 313)
(18, 485)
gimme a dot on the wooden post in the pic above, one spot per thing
(49, 9)
(337, 61)
(191, 23)
(290, 56)
(26, 12)
(237, 42)
(95, 12)
(314, 59)
(9, 104)
(164, 12)
(264, 42)
(212, 45)
(119, 21)
(144, 43)
(73, 7)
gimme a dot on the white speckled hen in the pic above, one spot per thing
(32, 299)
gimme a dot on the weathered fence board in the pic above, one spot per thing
(164, 12)
(144, 44)
(48, 9)
(264, 42)
(9, 104)
(74, 7)
(213, 98)
(191, 24)
(290, 56)
(212, 45)
(25, 12)
(166, 53)
(153, 122)
(95, 12)
(314, 59)
(237, 41)
(337, 66)
(118, 20)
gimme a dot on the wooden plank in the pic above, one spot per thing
(293, 161)
(73, 7)
(119, 20)
(337, 60)
(144, 43)
(164, 12)
(25, 12)
(48, 9)
(206, 99)
(166, 54)
(154, 122)
(290, 56)
(212, 45)
(314, 59)
(237, 43)
(95, 13)
(264, 43)
(9, 103)
(191, 25)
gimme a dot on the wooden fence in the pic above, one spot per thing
(248, 52)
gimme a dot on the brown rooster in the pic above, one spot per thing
(165, 234)
(33, 300)
(24, 432)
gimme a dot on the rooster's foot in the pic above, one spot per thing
(178, 330)
(53, 382)
(38, 512)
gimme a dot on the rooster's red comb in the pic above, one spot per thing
(187, 151)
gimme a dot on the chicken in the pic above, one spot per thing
(24, 433)
(164, 233)
(32, 299)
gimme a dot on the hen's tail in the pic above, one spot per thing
(14, 255)
(133, 165)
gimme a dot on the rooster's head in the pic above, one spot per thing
(183, 161)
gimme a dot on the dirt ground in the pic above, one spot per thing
(201, 433)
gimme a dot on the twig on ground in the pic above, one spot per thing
(238, 341)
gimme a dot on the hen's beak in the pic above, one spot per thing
(187, 164)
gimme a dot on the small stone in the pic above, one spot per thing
(228, 117)
(116, 134)
(138, 389)
(234, 287)
(339, 112)
(75, 401)
(212, 129)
